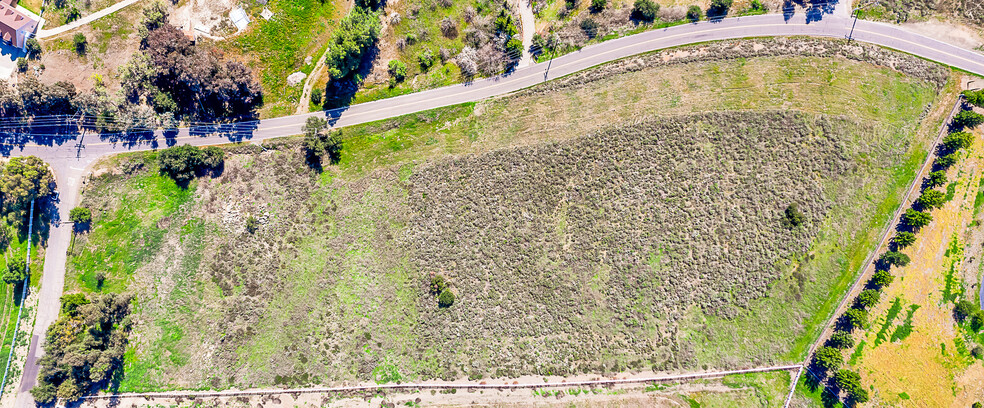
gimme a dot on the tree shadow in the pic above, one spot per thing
(815, 10)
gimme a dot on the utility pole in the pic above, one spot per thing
(854, 13)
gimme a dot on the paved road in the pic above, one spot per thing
(69, 161)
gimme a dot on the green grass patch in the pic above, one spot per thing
(904, 330)
(889, 320)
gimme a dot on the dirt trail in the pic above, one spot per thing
(528, 21)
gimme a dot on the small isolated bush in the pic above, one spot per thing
(893, 258)
(449, 28)
(16, 269)
(100, 279)
(397, 70)
(426, 59)
(881, 279)
(931, 199)
(963, 309)
(252, 224)
(793, 217)
(317, 96)
(903, 240)
(936, 179)
(645, 10)
(445, 299)
(438, 284)
(183, 163)
(916, 219)
(945, 162)
(693, 13)
(589, 26)
(867, 298)
(977, 352)
(855, 319)
(21, 64)
(958, 140)
(80, 43)
(841, 340)
(828, 359)
(977, 321)
(967, 119)
(598, 5)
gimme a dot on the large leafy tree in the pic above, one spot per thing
(357, 32)
(828, 358)
(25, 179)
(916, 219)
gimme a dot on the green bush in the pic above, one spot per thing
(21, 64)
(426, 59)
(893, 258)
(828, 358)
(977, 352)
(514, 48)
(757, 6)
(881, 279)
(693, 13)
(719, 7)
(936, 179)
(645, 10)
(598, 5)
(438, 284)
(841, 340)
(963, 309)
(977, 321)
(793, 217)
(252, 224)
(32, 48)
(397, 70)
(80, 215)
(850, 382)
(867, 298)
(445, 299)
(855, 319)
(945, 161)
(958, 140)
(80, 43)
(903, 240)
(358, 31)
(967, 119)
(317, 95)
(916, 219)
(975, 98)
(183, 163)
(931, 199)
(320, 141)
(16, 269)
(24, 179)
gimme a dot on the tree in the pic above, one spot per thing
(16, 270)
(977, 321)
(80, 43)
(975, 98)
(976, 405)
(183, 163)
(154, 17)
(936, 179)
(397, 70)
(514, 48)
(368, 4)
(841, 340)
(645, 10)
(931, 199)
(358, 31)
(445, 299)
(25, 179)
(916, 219)
(319, 141)
(847, 380)
(426, 58)
(757, 6)
(719, 7)
(69, 391)
(793, 217)
(958, 140)
(828, 358)
(977, 352)
(71, 302)
(44, 393)
(967, 119)
(855, 319)
(21, 64)
(881, 279)
(32, 48)
(80, 215)
(693, 13)
(867, 298)
(598, 5)
(903, 240)
(252, 224)
(893, 258)
(963, 309)
(945, 161)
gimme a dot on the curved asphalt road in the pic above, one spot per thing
(69, 157)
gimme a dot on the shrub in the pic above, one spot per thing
(80, 43)
(936, 179)
(438, 284)
(16, 269)
(867, 298)
(916, 219)
(252, 224)
(963, 309)
(425, 59)
(514, 48)
(80, 215)
(445, 299)
(967, 119)
(931, 199)
(183, 163)
(893, 258)
(903, 240)
(793, 217)
(467, 61)
(855, 319)
(977, 352)
(505, 25)
(21, 64)
(828, 358)
(957, 141)
(881, 279)
(976, 405)
(449, 28)
(589, 26)
(719, 7)
(841, 340)
(977, 321)
(693, 13)
(368, 4)
(757, 6)
(320, 141)
(975, 98)
(397, 70)
(645, 10)
(44, 393)
(598, 5)
(317, 95)
(358, 31)
(945, 162)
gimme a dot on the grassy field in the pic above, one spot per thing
(530, 210)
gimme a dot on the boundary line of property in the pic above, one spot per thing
(412, 386)
(916, 183)
(27, 267)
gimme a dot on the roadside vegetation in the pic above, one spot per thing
(900, 11)
(360, 243)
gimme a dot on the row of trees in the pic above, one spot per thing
(829, 358)
(83, 347)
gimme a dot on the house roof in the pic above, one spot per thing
(13, 19)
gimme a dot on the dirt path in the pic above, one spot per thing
(86, 20)
(302, 103)
(528, 21)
